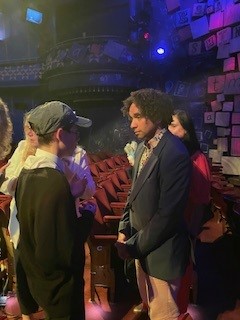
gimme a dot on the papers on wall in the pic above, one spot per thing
(223, 51)
(236, 118)
(222, 119)
(216, 106)
(216, 84)
(223, 132)
(236, 131)
(209, 117)
(222, 144)
(227, 106)
(199, 27)
(215, 155)
(229, 64)
(235, 147)
(236, 103)
(231, 165)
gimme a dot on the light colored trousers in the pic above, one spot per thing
(159, 295)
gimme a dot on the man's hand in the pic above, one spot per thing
(122, 250)
(121, 237)
(87, 206)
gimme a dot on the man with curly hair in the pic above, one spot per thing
(152, 229)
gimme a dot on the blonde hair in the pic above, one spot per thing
(6, 131)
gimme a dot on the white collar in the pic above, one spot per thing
(42, 159)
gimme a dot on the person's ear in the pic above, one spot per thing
(59, 134)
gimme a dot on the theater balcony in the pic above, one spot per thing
(92, 68)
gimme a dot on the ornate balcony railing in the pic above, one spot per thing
(87, 63)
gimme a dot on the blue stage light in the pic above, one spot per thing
(160, 50)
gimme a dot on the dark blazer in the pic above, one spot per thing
(154, 216)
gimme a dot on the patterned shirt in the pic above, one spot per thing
(149, 146)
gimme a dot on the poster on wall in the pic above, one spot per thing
(215, 155)
(236, 131)
(236, 118)
(235, 147)
(232, 83)
(223, 132)
(222, 144)
(209, 117)
(216, 84)
(227, 106)
(222, 119)
(237, 103)
(216, 105)
(181, 89)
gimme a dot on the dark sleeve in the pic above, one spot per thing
(124, 224)
(54, 229)
(46, 212)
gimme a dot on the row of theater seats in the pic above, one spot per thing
(113, 186)
(225, 202)
(101, 167)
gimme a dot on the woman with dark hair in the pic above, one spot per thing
(183, 127)
(199, 196)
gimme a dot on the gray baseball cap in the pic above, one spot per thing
(52, 115)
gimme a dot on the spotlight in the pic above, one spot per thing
(160, 50)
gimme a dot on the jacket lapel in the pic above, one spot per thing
(138, 156)
(147, 169)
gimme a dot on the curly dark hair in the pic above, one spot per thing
(190, 139)
(153, 104)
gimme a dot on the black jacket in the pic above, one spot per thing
(49, 248)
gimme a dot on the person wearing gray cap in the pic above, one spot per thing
(50, 256)
(55, 114)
